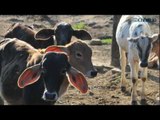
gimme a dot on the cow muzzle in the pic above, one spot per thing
(144, 64)
(91, 73)
(47, 96)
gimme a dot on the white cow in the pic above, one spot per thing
(133, 36)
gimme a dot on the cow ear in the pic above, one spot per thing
(154, 37)
(29, 76)
(77, 79)
(82, 34)
(44, 34)
(56, 49)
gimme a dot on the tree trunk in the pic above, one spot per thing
(115, 50)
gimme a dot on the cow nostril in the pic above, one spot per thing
(93, 73)
(50, 96)
(144, 64)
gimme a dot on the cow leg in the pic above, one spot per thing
(123, 66)
(134, 77)
(143, 78)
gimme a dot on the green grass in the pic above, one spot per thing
(106, 41)
(80, 25)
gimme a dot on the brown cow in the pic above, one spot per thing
(29, 77)
(80, 55)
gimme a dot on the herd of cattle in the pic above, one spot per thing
(37, 67)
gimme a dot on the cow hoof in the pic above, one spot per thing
(123, 88)
(134, 103)
(143, 101)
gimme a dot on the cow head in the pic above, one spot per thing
(80, 55)
(63, 33)
(143, 45)
(56, 73)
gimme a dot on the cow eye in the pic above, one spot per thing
(78, 55)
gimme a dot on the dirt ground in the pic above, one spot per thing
(105, 88)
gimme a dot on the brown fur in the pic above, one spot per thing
(84, 64)
(17, 63)
(26, 33)
(82, 48)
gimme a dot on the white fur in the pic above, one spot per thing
(131, 26)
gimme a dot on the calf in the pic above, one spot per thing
(29, 77)
(61, 34)
(154, 60)
(79, 52)
(133, 37)
(80, 55)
